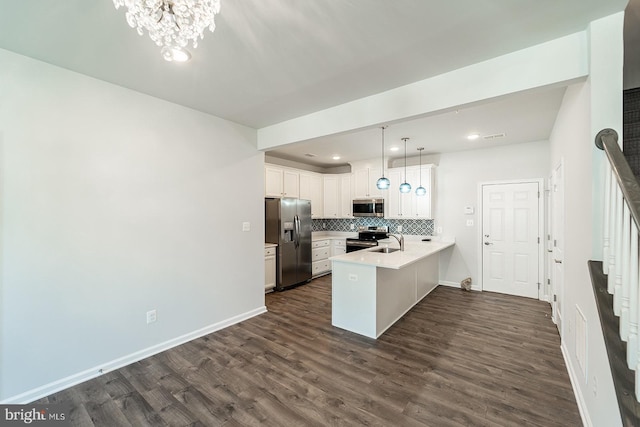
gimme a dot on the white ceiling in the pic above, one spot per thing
(270, 61)
(524, 117)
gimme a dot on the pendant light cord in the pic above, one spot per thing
(405, 159)
(420, 167)
(382, 158)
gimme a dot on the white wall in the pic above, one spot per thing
(587, 108)
(457, 178)
(571, 141)
(115, 203)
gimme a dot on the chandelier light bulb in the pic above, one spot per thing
(171, 24)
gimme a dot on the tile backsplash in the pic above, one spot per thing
(423, 227)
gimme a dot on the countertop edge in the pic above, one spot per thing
(395, 260)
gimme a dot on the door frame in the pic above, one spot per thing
(541, 228)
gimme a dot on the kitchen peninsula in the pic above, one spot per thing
(371, 290)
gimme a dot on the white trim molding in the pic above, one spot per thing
(80, 377)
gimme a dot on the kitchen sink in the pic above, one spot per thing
(385, 250)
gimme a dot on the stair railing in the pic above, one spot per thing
(620, 239)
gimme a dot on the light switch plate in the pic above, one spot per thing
(246, 226)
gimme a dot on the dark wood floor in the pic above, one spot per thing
(457, 359)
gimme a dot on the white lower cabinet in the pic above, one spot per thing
(338, 247)
(269, 268)
(320, 252)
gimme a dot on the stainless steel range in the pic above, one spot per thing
(367, 238)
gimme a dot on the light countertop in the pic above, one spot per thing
(325, 235)
(270, 245)
(413, 251)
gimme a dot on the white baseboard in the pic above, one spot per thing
(71, 380)
(582, 405)
(456, 285)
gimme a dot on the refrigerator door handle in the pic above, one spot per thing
(296, 231)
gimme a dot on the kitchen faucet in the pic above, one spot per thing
(399, 239)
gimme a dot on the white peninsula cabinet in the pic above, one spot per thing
(371, 290)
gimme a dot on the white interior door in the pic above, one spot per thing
(510, 227)
(557, 235)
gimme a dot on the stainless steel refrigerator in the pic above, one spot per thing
(288, 223)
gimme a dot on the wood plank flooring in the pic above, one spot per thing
(456, 359)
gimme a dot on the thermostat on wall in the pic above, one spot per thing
(468, 210)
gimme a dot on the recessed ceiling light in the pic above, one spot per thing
(495, 135)
(394, 149)
(473, 136)
(336, 157)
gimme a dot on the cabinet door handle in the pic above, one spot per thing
(488, 243)
(557, 261)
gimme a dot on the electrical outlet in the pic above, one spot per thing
(469, 223)
(439, 230)
(152, 316)
(352, 227)
(595, 386)
(353, 277)
(399, 229)
(246, 226)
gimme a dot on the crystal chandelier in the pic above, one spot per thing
(171, 23)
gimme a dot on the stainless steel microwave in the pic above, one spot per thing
(368, 207)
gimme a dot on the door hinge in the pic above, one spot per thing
(538, 240)
(555, 298)
(538, 285)
(538, 194)
(555, 243)
(548, 281)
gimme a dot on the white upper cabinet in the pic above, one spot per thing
(273, 185)
(291, 183)
(410, 205)
(364, 183)
(281, 182)
(311, 189)
(346, 198)
(331, 196)
(423, 205)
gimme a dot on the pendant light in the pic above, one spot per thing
(405, 187)
(421, 191)
(383, 183)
